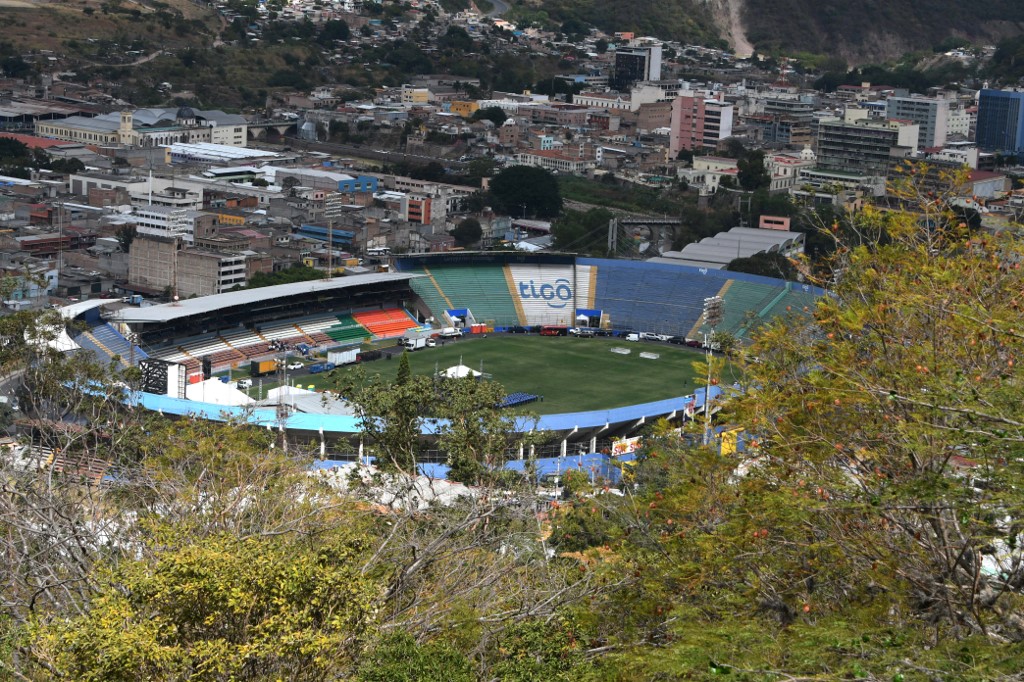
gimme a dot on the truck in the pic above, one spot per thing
(415, 344)
(258, 368)
(449, 333)
(343, 356)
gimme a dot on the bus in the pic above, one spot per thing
(554, 330)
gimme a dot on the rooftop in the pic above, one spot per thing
(169, 312)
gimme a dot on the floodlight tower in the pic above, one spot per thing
(713, 311)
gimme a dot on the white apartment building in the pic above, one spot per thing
(165, 221)
(931, 114)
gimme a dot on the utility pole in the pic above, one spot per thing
(713, 310)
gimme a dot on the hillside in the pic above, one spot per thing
(874, 30)
(871, 30)
(94, 30)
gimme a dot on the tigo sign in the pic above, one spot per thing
(556, 295)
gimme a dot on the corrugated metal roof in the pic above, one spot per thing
(168, 312)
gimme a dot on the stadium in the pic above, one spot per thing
(181, 346)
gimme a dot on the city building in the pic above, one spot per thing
(168, 221)
(784, 168)
(698, 123)
(931, 114)
(1001, 121)
(636, 63)
(150, 128)
(160, 263)
(858, 145)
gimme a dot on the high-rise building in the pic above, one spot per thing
(1001, 121)
(931, 114)
(699, 122)
(858, 145)
(635, 63)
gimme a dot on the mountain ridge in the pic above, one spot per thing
(868, 31)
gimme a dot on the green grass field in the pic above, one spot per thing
(572, 374)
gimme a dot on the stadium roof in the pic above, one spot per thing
(169, 312)
(70, 312)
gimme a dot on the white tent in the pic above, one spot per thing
(217, 392)
(459, 372)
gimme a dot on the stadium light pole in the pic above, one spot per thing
(713, 306)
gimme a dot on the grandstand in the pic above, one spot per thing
(346, 329)
(238, 326)
(386, 324)
(481, 288)
(666, 299)
(107, 344)
(506, 288)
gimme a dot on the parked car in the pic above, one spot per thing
(244, 384)
(632, 336)
(651, 336)
(678, 340)
(516, 330)
(295, 365)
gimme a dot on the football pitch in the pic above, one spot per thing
(572, 374)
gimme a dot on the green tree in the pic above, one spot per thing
(398, 658)
(468, 232)
(765, 264)
(224, 608)
(477, 432)
(125, 235)
(391, 416)
(752, 173)
(495, 114)
(332, 30)
(404, 374)
(296, 273)
(580, 232)
(525, 189)
(479, 169)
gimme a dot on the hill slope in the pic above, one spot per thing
(876, 29)
(864, 31)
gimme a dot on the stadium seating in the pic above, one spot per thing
(346, 330)
(666, 299)
(743, 301)
(428, 291)
(387, 323)
(106, 343)
(518, 398)
(483, 289)
(794, 297)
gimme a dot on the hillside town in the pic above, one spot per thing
(179, 201)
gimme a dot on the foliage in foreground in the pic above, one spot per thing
(869, 530)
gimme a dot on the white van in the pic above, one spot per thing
(632, 337)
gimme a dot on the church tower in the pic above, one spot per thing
(126, 131)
